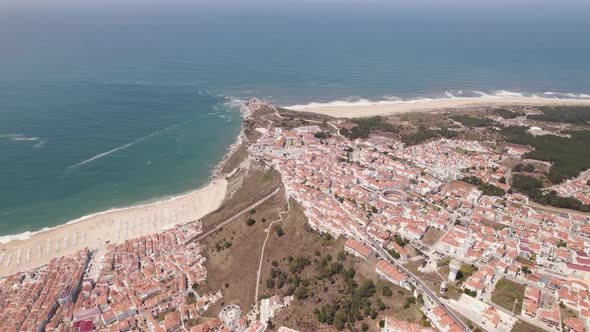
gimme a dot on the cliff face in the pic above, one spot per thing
(256, 105)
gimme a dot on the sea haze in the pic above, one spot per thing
(104, 104)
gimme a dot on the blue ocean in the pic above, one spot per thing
(105, 104)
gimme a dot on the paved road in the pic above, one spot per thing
(417, 282)
(235, 216)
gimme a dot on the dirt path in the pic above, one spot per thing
(235, 216)
(268, 231)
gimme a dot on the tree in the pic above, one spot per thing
(280, 231)
(340, 319)
(380, 304)
(301, 293)
(386, 291)
(270, 283)
(250, 221)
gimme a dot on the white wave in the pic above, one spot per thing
(24, 138)
(40, 144)
(104, 154)
(481, 94)
(450, 95)
(358, 101)
(11, 135)
(203, 92)
(508, 94)
(233, 103)
(127, 82)
(549, 93)
(392, 98)
(20, 237)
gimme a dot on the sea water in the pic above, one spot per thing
(105, 104)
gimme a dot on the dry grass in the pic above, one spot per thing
(506, 292)
(521, 326)
(432, 235)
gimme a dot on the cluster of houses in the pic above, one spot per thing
(379, 187)
(148, 283)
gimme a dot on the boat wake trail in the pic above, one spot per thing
(104, 154)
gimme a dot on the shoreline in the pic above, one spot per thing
(33, 249)
(380, 108)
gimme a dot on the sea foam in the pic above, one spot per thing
(448, 95)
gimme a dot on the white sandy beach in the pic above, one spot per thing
(366, 109)
(115, 226)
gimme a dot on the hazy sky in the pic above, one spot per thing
(505, 5)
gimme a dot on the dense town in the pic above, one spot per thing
(145, 284)
(379, 193)
(388, 200)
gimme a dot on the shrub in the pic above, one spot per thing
(386, 291)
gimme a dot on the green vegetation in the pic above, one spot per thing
(525, 183)
(365, 126)
(443, 262)
(527, 168)
(472, 122)
(568, 114)
(353, 304)
(297, 265)
(570, 156)
(386, 291)
(465, 272)
(400, 240)
(250, 221)
(486, 188)
(394, 253)
(532, 188)
(280, 231)
(221, 245)
(506, 114)
(191, 298)
(322, 135)
(424, 134)
(506, 292)
(268, 175)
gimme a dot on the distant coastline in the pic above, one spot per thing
(366, 108)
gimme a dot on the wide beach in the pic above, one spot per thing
(366, 109)
(113, 226)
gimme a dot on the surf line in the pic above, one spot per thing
(104, 154)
